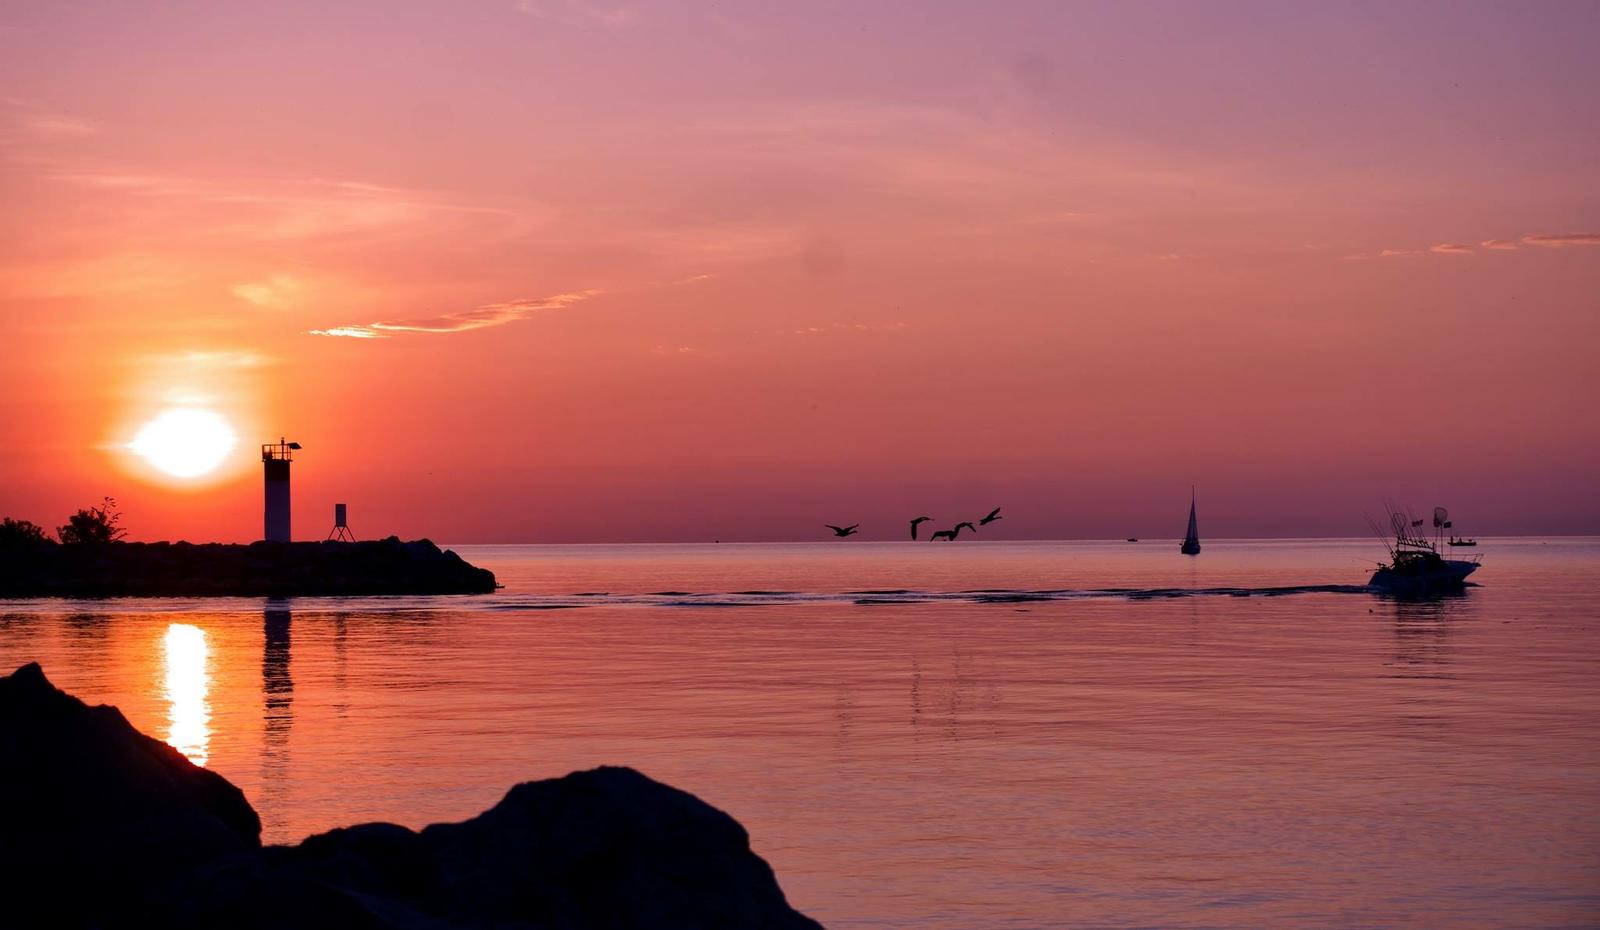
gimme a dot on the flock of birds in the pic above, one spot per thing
(950, 534)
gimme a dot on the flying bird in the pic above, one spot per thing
(951, 534)
(915, 523)
(842, 530)
(993, 516)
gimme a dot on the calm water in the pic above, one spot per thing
(940, 752)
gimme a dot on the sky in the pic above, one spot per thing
(567, 271)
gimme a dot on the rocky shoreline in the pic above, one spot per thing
(260, 569)
(102, 826)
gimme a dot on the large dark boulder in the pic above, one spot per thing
(103, 826)
(605, 848)
(87, 801)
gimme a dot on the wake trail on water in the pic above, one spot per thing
(417, 604)
(897, 596)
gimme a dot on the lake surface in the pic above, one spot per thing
(969, 735)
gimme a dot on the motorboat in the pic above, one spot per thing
(1415, 567)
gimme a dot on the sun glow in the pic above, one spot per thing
(185, 442)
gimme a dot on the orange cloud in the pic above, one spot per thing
(1556, 242)
(274, 292)
(1499, 244)
(461, 321)
(1452, 248)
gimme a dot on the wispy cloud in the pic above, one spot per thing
(276, 291)
(851, 327)
(497, 314)
(236, 359)
(1498, 245)
(354, 332)
(286, 209)
(1556, 242)
(35, 120)
(581, 12)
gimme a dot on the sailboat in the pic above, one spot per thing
(1191, 542)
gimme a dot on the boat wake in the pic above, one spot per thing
(591, 599)
(896, 596)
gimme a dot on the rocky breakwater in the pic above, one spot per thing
(102, 826)
(260, 569)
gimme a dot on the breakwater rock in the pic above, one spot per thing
(102, 826)
(260, 569)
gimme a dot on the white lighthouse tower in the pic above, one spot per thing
(275, 459)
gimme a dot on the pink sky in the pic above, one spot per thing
(567, 271)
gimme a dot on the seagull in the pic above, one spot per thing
(842, 530)
(915, 523)
(951, 534)
(993, 516)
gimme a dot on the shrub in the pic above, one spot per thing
(15, 533)
(94, 526)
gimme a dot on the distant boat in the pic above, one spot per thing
(1133, 539)
(1191, 542)
(1462, 541)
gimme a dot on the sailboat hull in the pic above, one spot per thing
(1190, 547)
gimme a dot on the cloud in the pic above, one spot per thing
(1499, 244)
(849, 327)
(354, 332)
(1556, 242)
(33, 119)
(1452, 248)
(54, 124)
(461, 321)
(580, 12)
(292, 209)
(1395, 253)
(208, 358)
(275, 292)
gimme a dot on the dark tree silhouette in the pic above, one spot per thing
(94, 526)
(20, 533)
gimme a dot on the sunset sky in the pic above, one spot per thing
(566, 271)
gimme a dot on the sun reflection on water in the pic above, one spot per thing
(187, 683)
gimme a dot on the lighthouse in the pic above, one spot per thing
(275, 459)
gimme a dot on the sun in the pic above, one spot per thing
(185, 442)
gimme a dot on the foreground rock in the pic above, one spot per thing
(83, 792)
(103, 826)
(261, 569)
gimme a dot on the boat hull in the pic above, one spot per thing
(1446, 575)
(1190, 547)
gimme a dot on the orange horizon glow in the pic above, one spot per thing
(569, 271)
